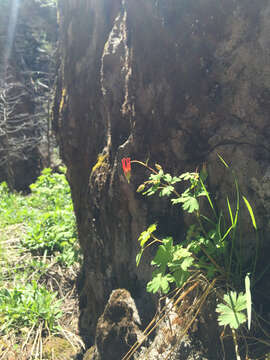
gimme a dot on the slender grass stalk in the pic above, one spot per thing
(209, 199)
(234, 226)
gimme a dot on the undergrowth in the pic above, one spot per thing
(212, 250)
(39, 256)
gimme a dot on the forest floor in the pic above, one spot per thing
(40, 263)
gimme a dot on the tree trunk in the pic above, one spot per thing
(174, 82)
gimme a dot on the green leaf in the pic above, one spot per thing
(190, 204)
(189, 176)
(156, 177)
(164, 254)
(181, 262)
(186, 263)
(223, 161)
(152, 190)
(141, 188)
(176, 201)
(167, 178)
(180, 277)
(230, 210)
(145, 235)
(180, 253)
(175, 180)
(159, 282)
(250, 212)
(231, 313)
(138, 257)
(166, 191)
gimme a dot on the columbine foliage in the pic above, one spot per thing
(176, 259)
(231, 313)
(209, 247)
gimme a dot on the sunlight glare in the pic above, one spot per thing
(11, 33)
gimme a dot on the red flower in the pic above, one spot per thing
(126, 167)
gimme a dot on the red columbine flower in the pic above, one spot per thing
(126, 168)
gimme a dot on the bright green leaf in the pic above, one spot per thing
(231, 313)
(250, 212)
(176, 201)
(180, 277)
(159, 282)
(223, 161)
(190, 204)
(167, 178)
(141, 188)
(138, 257)
(145, 235)
(166, 191)
(164, 255)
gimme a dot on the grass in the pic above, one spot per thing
(40, 260)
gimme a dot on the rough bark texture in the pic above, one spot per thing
(173, 81)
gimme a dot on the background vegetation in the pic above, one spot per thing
(40, 261)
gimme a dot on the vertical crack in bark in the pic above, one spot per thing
(115, 38)
(127, 107)
(115, 70)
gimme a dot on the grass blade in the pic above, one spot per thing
(250, 212)
(223, 161)
(230, 210)
(208, 197)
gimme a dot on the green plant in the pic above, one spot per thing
(175, 258)
(211, 246)
(210, 242)
(51, 191)
(14, 208)
(38, 238)
(47, 214)
(52, 228)
(231, 313)
(27, 306)
(54, 232)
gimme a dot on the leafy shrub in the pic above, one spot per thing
(14, 207)
(47, 214)
(51, 191)
(26, 306)
(44, 224)
(53, 231)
